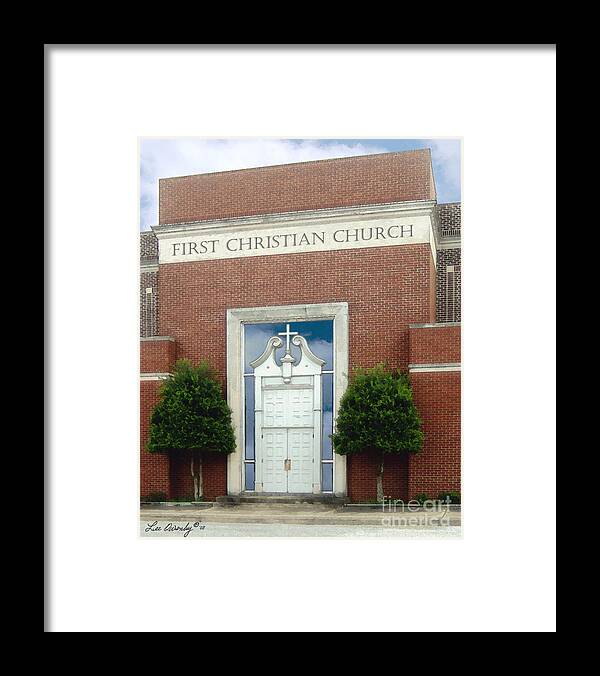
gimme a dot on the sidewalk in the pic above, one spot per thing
(303, 514)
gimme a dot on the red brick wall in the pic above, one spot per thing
(154, 467)
(435, 345)
(362, 471)
(432, 292)
(438, 398)
(437, 467)
(157, 356)
(349, 181)
(214, 476)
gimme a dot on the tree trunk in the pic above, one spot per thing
(380, 495)
(196, 470)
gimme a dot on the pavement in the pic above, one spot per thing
(299, 520)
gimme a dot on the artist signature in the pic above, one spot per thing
(186, 529)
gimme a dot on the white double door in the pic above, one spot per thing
(288, 440)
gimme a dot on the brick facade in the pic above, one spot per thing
(349, 181)
(214, 476)
(449, 219)
(148, 247)
(387, 290)
(157, 355)
(437, 397)
(448, 307)
(437, 344)
(448, 294)
(148, 284)
(154, 467)
(362, 477)
(148, 304)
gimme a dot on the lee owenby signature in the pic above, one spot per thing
(170, 527)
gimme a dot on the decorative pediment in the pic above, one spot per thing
(307, 355)
(269, 354)
(308, 365)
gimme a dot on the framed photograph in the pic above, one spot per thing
(273, 378)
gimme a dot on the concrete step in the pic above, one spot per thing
(279, 499)
(177, 506)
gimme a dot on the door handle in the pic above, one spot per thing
(287, 465)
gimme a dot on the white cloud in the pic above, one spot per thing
(446, 158)
(255, 341)
(162, 158)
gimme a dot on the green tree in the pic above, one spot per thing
(193, 415)
(377, 414)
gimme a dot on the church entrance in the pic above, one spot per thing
(288, 415)
(287, 369)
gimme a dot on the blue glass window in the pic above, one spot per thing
(327, 476)
(249, 476)
(255, 341)
(327, 450)
(249, 423)
(319, 336)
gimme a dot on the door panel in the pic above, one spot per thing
(300, 453)
(275, 404)
(274, 451)
(300, 408)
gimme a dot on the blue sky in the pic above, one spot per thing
(164, 157)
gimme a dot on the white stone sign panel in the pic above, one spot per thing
(202, 242)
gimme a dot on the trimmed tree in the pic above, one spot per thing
(192, 415)
(377, 414)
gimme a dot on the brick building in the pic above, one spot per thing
(285, 278)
